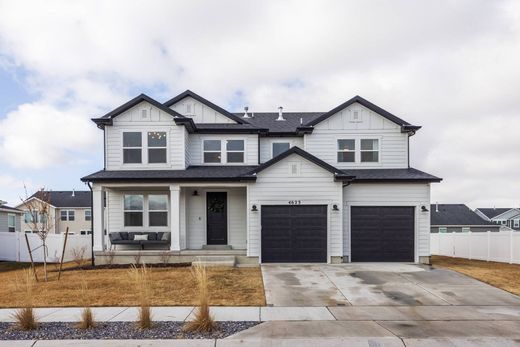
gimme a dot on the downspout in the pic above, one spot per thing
(258, 148)
(408, 138)
(91, 224)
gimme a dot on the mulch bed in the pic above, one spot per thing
(118, 330)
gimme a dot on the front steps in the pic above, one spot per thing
(215, 260)
(217, 247)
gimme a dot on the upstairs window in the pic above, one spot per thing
(132, 148)
(11, 223)
(133, 210)
(235, 151)
(67, 215)
(212, 151)
(29, 217)
(280, 147)
(158, 210)
(88, 215)
(346, 151)
(369, 151)
(156, 147)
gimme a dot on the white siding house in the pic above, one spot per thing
(190, 178)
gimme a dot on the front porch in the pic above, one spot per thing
(170, 223)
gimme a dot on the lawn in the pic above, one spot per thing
(114, 287)
(501, 275)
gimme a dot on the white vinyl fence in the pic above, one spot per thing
(14, 248)
(502, 246)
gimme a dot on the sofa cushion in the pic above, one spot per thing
(115, 236)
(159, 235)
(124, 235)
(152, 236)
(142, 237)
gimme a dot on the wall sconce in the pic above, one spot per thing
(335, 207)
(424, 209)
(254, 208)
(195, 193)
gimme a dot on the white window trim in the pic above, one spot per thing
(9, 216)
(357, 156)
(516, 223)
(445, 230)
(68, 213)
(223, 150)
(146, 222)
(148, 210)
(88, 220)
(279, 141)
(144, 147)
(346, 151)
(366, 150)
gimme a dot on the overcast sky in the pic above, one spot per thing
(451, 66)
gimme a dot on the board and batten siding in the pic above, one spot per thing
(393, 145)
(313, 186)
(157, 120)
(390, 194)
(250, 147)
(196, 230)
(199, 112)
(266, 145)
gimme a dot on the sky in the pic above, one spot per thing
(452, 67)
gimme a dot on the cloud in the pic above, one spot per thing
(450, 66)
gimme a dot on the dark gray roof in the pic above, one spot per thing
(192, 173)
(9, 208)
(64, 198)
(455, 214)
(400, 175)
(493, 212)
(293, 120)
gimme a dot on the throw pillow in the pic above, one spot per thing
(140, 237)
(165, 237)
(115, 237)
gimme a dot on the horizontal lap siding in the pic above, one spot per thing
(157, 121)
(392, 194)
(251, 147)
(314, 186)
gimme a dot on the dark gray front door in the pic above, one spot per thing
(294, 233)
(382, 233)
(216, 218)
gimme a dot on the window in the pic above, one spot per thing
(132, 145)
(346, 151)
(212, 151)
(88, 215)
(369, 151)
(158, 210)
(443, 230)
(156, 147)
(11, 223)
(67, 215)
(503, 222)
(466, 229)
(280, 147)
(235, 151)
(516, 223)
(133, 210)
(28, 217)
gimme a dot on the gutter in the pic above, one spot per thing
(91, 224)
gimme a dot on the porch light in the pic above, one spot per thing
(195, 193)
(254, 208)
(424, 209)
(335, 207)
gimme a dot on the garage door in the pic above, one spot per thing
(294, 234)
(382, 234)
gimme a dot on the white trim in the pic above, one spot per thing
(223, 150)
(146, 223)
(144, 147)
(357, 149)
(514, 208)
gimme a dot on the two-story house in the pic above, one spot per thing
(69, 209)
(10, 218)
(506, 216)
(332, 186)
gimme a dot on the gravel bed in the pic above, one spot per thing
(118, 330)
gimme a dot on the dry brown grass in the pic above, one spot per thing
(171, 287)
(143, 286)
(501, 275)
(87, 317)
(203, 321)
(24, 316)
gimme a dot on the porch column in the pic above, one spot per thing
(175, 217)
(97, 215)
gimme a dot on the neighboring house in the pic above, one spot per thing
(509, 216)
(69, 208)
(10, 218)
(457, 218)
(330, 186)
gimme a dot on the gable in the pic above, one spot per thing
(507, 215)
(143, 112)
(357, 117)
(295, 166)
(199, 112)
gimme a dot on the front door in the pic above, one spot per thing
(216, 218)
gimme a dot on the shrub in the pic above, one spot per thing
(143, 286)
(78, 255)
(87, 317)
(203, 321)
(25, 318)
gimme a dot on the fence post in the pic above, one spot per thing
(470, 236)
(453, 244)
(511, 246)
(488, 245)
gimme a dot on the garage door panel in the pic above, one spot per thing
(294, 233)
(380, 233)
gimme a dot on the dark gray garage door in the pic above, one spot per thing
(382, 234)
(294, 233)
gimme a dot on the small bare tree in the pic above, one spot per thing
(41, 220)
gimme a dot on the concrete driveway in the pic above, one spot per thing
(384, 284)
